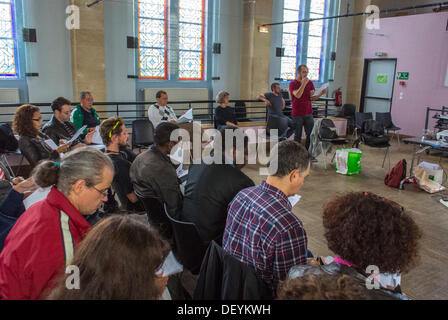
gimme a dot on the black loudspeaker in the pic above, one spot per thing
(333, 56)
(216, 78)
(132, 42)
(31, 74)
(217, 48)
(279, 52)
(131, 76)
(29, 35)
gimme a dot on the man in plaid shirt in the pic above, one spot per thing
(261, 230)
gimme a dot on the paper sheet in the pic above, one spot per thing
(51, 144)
(294, 199)
(97, 137)
(170, 266)
(77, 134)
(187, 117)
(322, 88)
(36, 196)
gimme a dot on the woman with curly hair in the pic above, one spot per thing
(375, 240)
(27, 123)
(119, 259)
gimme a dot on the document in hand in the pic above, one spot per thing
(294, 199)
(170, 266)
(97, 137)
(187, 117)
(322, 88)
(51, 144)
(77, 134)
(36, 196)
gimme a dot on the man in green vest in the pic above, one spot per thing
(85, 114)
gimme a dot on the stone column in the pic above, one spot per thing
(356, 69)
(88, 52)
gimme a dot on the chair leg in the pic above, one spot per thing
(398, 138)
(385, 155)
(389, 156)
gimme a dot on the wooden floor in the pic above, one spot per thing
(428, 279)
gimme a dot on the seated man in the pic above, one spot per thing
(60, 128)
(275, 105)
(211, 187)
(154, 175)
(85, 114)
(161, 112)
(261, 230)
(115, 137)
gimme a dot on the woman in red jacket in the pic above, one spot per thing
(42, 242)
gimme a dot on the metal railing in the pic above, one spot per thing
(246, 110)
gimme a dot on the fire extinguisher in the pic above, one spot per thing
(338, 97)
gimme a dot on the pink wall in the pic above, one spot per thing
(420, 43)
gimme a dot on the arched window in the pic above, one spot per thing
(172, 39)
(307, 43)
(8, 41)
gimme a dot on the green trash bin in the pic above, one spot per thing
(348, 161)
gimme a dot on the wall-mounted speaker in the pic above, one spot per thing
(217, 48)
(333, 56)
(132, 42)
(279, 52)
(29, 35)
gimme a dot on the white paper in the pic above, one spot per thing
(294, 199)
(170, 266)
(322, 88)
(77, 134)
(97, 137)
(187, 117)
(177, 156)
(51, 144)
(36, 196)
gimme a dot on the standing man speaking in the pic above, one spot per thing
(302, 91)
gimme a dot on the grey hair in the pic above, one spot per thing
(287, 156)
(84, 163)
(83, 94)
(221, 96)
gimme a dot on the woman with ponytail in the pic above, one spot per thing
(43, 240)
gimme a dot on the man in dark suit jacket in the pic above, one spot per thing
(211, 187)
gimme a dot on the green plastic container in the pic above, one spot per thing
(348, 161)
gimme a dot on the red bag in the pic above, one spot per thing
(394, 176)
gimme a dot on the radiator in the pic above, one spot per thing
(179, 94)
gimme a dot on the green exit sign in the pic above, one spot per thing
(403, 76)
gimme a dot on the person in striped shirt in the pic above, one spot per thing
(261, 230)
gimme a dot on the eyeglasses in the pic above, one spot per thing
(102, 192)
(38, 119)
(115, 126)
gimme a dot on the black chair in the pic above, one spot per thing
(240, 111)
(278, 123)
(189, 247)
(156, 216)
(337, 141)
(142, 133)
(385, 118)
(360, 117)
(348, 112)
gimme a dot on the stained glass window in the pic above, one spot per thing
(191, 39)
(185, 36)
(294, 10)
(8, 47)
(153, 38)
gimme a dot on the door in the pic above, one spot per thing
(378, 85)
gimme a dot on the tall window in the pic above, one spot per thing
(306, 42)
(8, 44)
(171, 25)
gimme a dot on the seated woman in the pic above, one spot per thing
(27, 123)
(224, 115)
(118, 260)
(375, 241)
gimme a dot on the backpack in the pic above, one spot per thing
(8, 141)
(373, 134)
(328, 130)
(396, 175)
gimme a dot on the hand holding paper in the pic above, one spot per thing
(321, 89)
(186, 117)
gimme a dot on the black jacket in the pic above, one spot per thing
(208, 192)
(336, 268)
(56, 131)
(222, 277)
(35, 149)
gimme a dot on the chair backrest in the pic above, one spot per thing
(360, 117)
(279, 123)
(189, 247)
(240, 111)
(142, 133)
(372, 128)
(327, 129)
(156, 216)
(385, 118)
(348, 110)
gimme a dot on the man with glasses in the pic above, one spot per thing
(85, 114)
(60, 128)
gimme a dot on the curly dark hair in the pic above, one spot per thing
(23, 120)
(366, 229)
(322, 287)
